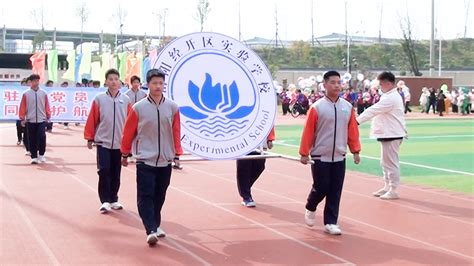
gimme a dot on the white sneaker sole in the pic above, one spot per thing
(390, 198)
(152, 240)
(310, 224)
(117, 208)
(378, 194)
(332, 233)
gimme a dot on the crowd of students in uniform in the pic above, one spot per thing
(135, 123)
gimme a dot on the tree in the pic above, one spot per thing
(83, 13)
(38, 41)
(202, 13)
(39, 16)
(161, 16)
(109, 40)
(120, 16)
(409, 46)
(300, 53)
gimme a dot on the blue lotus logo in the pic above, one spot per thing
(220, 104)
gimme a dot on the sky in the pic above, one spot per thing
(257, 17)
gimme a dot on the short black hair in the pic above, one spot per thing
(331, 73)
(154, 73)
(65, 83)
(49, 82)
(96, 82)
(33, 77)
(112, 71)
(386, 76)
(133, 78)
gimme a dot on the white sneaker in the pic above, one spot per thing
(152, 239)
(332, 229)
(41, 159)
(160, 232)
(249, 203)
(105, 208)
(390, 195)
(66, 127)
(34, 161)
(116, 206)
(310, 218)
(28, 153)
(380, 192)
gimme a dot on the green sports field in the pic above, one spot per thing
(438, 153)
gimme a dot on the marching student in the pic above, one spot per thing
(104, 127)
(388, 127)
(330, 127)
(135, 93)
(34, 113)
(154, 126)
(249, 170)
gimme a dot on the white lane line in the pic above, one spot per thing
(360, 222)
(277, 232)
(401, 162)
(168, 239)
(49, 253)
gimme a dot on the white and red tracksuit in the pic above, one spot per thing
(154, 129)
(104, 126)
(330, 127)
(34, 109)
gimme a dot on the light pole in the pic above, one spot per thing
(121, 35)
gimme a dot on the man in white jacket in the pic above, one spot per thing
(388, 127)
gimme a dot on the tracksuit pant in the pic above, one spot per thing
(109, 168)
(390, 162)
(248, 171)
(328, 179)
(36, 138)
(21, 134)
(152, 183)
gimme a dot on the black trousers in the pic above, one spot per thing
(109, 168)
(152, 183)
(49, 126)
(328, 179)
(407, 107)
(248, 171)
(285, 108)
(36, 138)
(21, 134)
(431, 104)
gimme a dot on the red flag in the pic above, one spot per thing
(38, 61)
(133, 67)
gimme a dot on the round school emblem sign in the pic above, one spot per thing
(225, 93)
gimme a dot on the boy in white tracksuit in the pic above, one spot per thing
(34, 114)
(153, 125)
(104, 127)
(388, 127)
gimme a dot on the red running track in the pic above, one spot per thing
(49, 215)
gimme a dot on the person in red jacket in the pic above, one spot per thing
(34, 113)
(153, 127)
(104, 127)
(330, 127)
